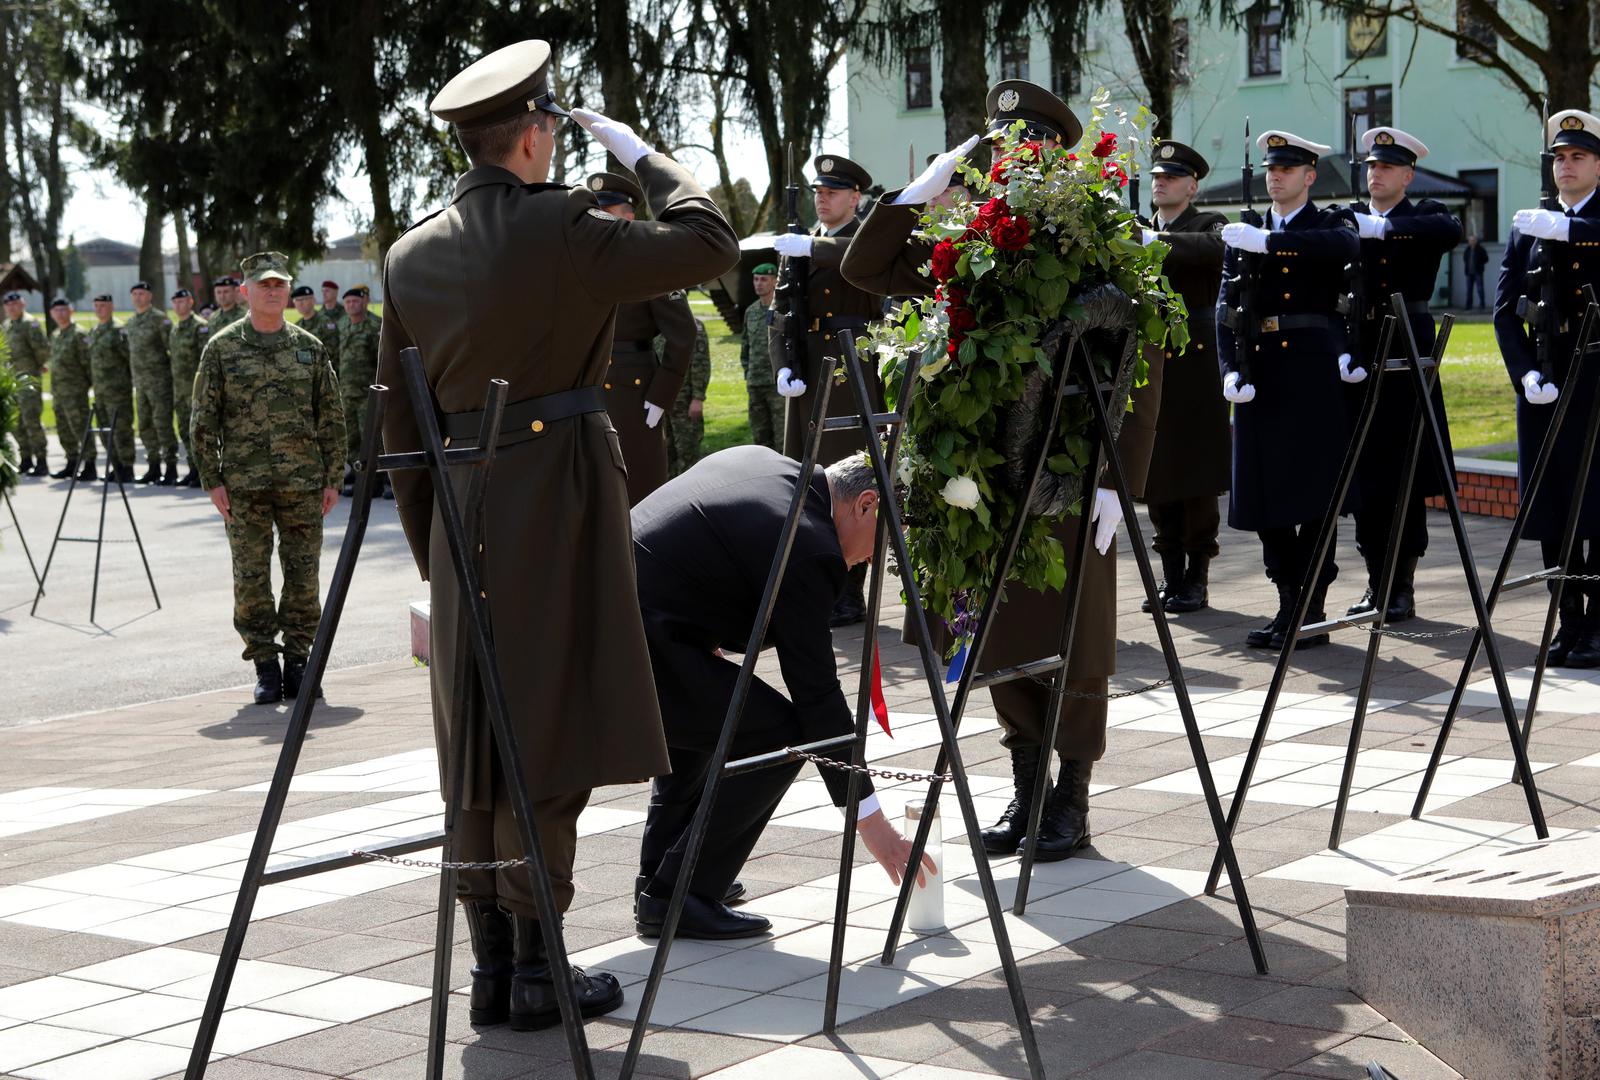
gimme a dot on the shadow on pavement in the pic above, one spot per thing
(267, 724)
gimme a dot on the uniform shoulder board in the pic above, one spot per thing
(596, 212)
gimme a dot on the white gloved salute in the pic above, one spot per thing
(788, 386)
(1372, 226)
(652, 414)
(794, 245)
(1234, 392)
(1236, 234)
(1542, 224)
(1347, 373)
(1106, 515)
(618, 138)
(933, 180)
(1537, 392)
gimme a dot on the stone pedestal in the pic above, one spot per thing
(1492, 961)
(419, 631)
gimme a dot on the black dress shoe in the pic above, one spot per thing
(641, 882)
(734, 894)
(533, 990)
(269, 682)
(1585, 651)
(702, 919)
(1365, 604)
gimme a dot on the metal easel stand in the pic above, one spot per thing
(86, 453)
(1421, 371)
(891, 529)
(16, 527)
(1076, 364)
(479, 673)
(1503, 582)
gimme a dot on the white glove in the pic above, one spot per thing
(618, 138)
(789, 387)
(1236, 234)
(1542, 224)
(1235, 393)
(1107, 513)
(1149, 236)
(652, 414)
(935, 179)
(1347, 373)
(1372, 226)
(1536, 393)
(794, 245)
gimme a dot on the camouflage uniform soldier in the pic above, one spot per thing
(317, 321)
(113, 388)
(29, 356)
(189, 336)
(766, 405)
(686, 427)
(332, 309)
(225, 291)
(269, 438)
(70, 378)
(148, 331)
(358, 369)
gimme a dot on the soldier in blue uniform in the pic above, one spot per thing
(1290, 429)
(1402, 243)
(1574, 233)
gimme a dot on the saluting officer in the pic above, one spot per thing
(1290, 429)
(640, 387)
(520, 280)
(1190, 461)
(1402, 243)
(1574, 230)
(189, 336)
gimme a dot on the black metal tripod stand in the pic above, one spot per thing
(113, 471)
(1421, 372)
(479, 674)
(16, 527)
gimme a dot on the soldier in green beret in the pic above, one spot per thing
(686, 426)
(766, 406)
(113, 388)
(70, 379)
(148, 332)
(268, 435)
(189, 336)
(358, 369)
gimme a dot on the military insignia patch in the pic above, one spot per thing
(1571, 123)
(596, 184)
(596, 212)
(1383, 138)
(1167, 151)
(303, 355)
(826, 164)
(1277, 140)
(1008, 100)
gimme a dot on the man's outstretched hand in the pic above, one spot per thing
(892, 850)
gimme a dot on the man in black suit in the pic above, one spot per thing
(704, 543)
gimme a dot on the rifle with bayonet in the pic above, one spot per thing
(1539, 307)
(1353, 304)
(790, 295)
(1242, 318)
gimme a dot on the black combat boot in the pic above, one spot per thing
(1316, 612)
(1570, 634)
(1403, 597)
(1064, 826)
(152, 475)
(1369, 598)
(269, 682)
(89, 471)
(1270, 636)
(124, 474)
(533, 990)
(66, 471)
(41, 468)
(191, 479)
(1195, 592)
(25, 465)
(1171, 577)
(851, 606)
(490, 930)
(169, 475)
(1006, 835)
(294, 672)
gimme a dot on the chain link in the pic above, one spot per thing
(1420, 635)
(883, 774)
(1089, 695)
(429, 864)
(1571, 577)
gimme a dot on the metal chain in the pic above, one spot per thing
(1421, 635)
(429, 864)
(1089, 695)
(882, 774)
(1571, 577)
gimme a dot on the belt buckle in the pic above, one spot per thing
(1269, 325)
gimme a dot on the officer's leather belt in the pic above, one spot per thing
(835, 323)
(524, 420)
(1274, 324)
(1414, 307)
(645, 346)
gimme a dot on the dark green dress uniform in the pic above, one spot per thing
(521, 282)
(637, 376)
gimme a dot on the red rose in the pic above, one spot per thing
(1036, 147)
(998, 173)
(956, 295)
(1010, 233)
(962, 321)
(989, 213)
(953, 350)
(944, 260)
(1112, 170)
(1106, 146)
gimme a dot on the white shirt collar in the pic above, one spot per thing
(1581, 203)
(1279, 223)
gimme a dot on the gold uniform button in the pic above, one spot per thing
(537, 425)
(827, 337)
(1200, 345)
(827, 292)
(608, 386)
(1575, 266)
(1285, 269)
(1283, 344)
(1383, 262)
(1169, 354)
(1258, 348)
(638, 382)
(447, 440)
(483, 595)
(1286, 296)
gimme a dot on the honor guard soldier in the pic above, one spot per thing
(765, 405)
(640, 388)
(1290, 430)
(269, 440)
(225, 291)
(113, 388)
(886, 257)
(686, 427)
(1402, 244)
(542, 269)
(358, 369)
(1189, 464)
(29, 356)
(148, 331)
(1570, 237)
(71, 376)
(832, 304)
(317, 321)
(189, 336)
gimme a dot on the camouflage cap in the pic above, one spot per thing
(266, 264)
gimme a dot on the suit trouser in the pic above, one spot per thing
(490, 836)
(1374, 522)
(1287, 551)
(1580, 564)
(1188, 526)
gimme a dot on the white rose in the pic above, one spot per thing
(903, 472)
(961, 491)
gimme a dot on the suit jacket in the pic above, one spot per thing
(1193, 438)
(1577, 263)
(703, 544)
(1289, 443)
(636, 377)
(522, 282)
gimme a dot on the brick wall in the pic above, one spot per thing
(1483, 493)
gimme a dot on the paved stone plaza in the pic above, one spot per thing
(124, 832)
